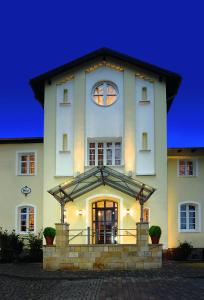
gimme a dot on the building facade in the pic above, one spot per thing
(104, 113)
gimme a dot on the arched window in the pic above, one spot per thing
(189, 217)
(26, 215)
(105, 93)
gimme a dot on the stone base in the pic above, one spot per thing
(102, 257)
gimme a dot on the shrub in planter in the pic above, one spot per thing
(49, 234)
(155, 234)
(11, 246)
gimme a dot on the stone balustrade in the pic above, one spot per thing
(63, 256)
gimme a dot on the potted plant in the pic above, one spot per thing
(155, 233)
(49, 234)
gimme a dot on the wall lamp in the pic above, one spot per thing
(80, 212)
(128, 211)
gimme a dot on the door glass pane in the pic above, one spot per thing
(100, 204)
(109, 204)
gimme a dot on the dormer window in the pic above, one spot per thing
(105, 93)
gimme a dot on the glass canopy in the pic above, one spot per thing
(97, 176)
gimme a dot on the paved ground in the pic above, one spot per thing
(173, 281)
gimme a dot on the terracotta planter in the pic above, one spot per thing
(49, 240)
(155, 239)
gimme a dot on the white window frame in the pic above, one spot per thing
(17, 219)
(195, 167)
(197, 217)
(97, 141)
(18, 156)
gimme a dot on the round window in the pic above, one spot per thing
(105, 93)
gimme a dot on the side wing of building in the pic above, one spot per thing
(186, 196)
(21, 184)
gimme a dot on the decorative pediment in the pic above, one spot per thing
(104, 63)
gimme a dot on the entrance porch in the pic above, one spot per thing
(104, 243)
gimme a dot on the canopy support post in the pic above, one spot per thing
(141, 211)
(62, 203)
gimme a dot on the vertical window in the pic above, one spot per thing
(64, 142)
(146, 214)
(26, 219)
(144, 141)
(117, 153)
(26, 164)
(188, 217)
(65, 96)
(109, 154)
(187, 168)
(144, 94)
(104, 153)
(92, 154)
(100, 154)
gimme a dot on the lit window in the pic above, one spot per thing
(144, 94)
(117, 153)
(26, 219)
(188, 217)
(105, 93)
(109, 154)
(64, 142)
(105, 153)
(100, 154)
(26, 164)
(65, 96)
(92, 154)
(187, 168)
(144, 141)
(146, 214)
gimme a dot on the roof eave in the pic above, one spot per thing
(173, 80)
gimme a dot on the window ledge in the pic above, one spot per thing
(189, 231)
(26, 174)
(111, 166)
(25, 234)
(65, 103)
(187, 176)
(64, 151)
(144, 101)
(145, 150)
(145, 174)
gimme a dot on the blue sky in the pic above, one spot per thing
(37, 36)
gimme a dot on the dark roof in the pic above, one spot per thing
(190, 151)
(173, 80)
(21, 140)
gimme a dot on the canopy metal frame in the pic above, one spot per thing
(95, 177)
